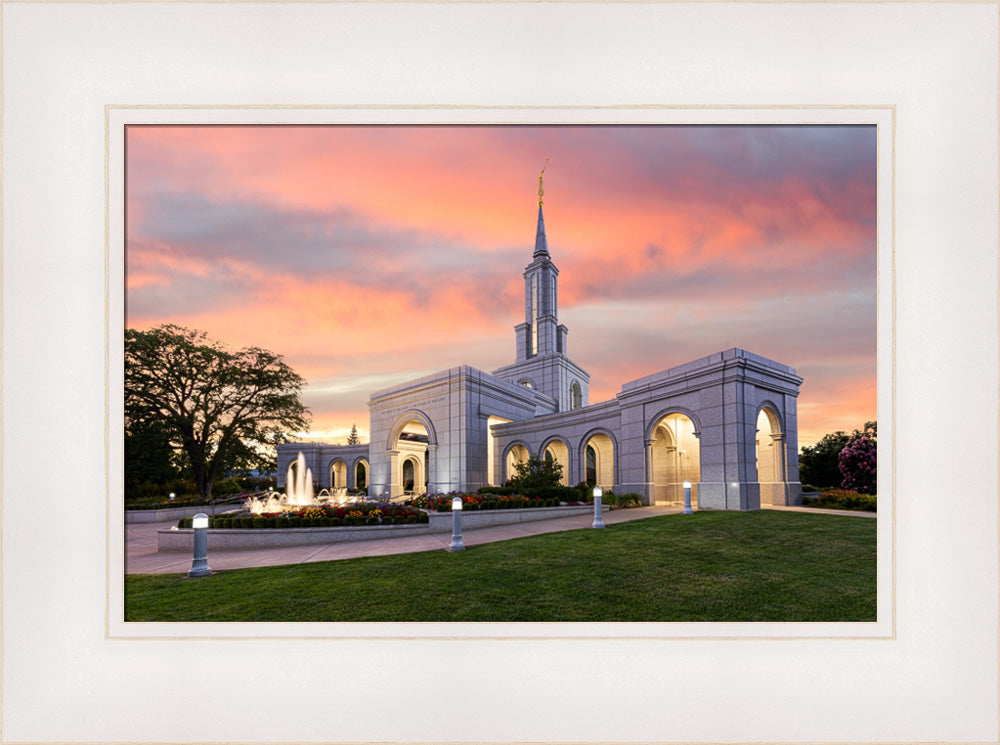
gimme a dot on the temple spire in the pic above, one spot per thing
(541, 244)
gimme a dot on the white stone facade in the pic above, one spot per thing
(727, 423)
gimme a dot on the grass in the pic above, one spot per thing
(710, 566)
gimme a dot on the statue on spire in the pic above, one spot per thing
(540, 190)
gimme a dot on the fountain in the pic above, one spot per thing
(298, 492)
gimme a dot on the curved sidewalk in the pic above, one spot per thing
(141, 556)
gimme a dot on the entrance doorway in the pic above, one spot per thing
(675, 458)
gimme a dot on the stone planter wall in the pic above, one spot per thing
(175, 513)
(440, 522)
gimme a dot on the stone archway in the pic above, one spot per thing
(674, 456)
(338, 474)
(556, 449)
(412, 439)
(516, 453)
(361, 474)
(770, 447)
(597, 459)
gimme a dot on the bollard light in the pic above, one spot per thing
(199, 567)
(456, 525)
(687, 498)
(171, 496)
(598, 516)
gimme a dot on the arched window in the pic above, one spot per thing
(361, 476)
(591, 465)
(575, 396)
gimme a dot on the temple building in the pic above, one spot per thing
(726, 423)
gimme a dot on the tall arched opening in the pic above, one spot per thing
(770, 458)
(494, 471)
(409, 460)
(557, 451)
(675, 457)
(361, 474)
(598, 460)
(338, 475)
(516, 454)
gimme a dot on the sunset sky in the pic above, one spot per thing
(367, 256)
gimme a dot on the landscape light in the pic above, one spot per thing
(687, 498)
(598, 516)
(199, 566)
(171, 496)
(456, 525)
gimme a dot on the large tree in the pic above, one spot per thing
(819, 464)
(221, 409)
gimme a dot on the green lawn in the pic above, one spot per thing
(710, 566)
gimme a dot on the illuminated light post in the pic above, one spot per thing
(598, 516)
(172, 495)
(456, 525)
(200, 567)
(687, 498)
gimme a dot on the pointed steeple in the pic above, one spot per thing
(541, 245)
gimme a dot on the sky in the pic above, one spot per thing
(370, 255)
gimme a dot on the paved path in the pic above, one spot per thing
(141, 556)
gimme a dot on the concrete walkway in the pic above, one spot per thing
(141, 556)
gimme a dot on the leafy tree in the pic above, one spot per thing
(221, 409)
(536, 472)
(819, 465)
(354, 438)
(150, 456)
(858, 461)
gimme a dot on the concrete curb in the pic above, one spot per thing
(133, 517)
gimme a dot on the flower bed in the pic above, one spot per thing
(320, 516)
(842, 499)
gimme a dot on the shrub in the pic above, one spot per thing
(295, 522)
(841, 499)
(397, 520)
(373, 521)
(859, 464)
(536, 472)
(622, 501)
(558, 492)
(184, 522)
(226, 487)
(281, 522)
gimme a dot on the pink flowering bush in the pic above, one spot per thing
(859, 463)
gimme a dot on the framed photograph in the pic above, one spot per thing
(129, 126)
